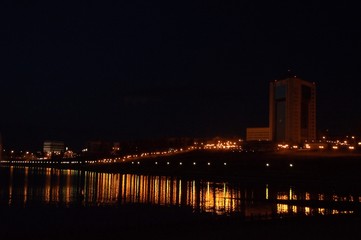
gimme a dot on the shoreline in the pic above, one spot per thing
(165, 222)
(297, 166)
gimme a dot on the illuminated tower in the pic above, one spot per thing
(292, 110)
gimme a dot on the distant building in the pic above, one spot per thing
(258, 134)
(100, 148)
(292, 110)
(53, 148)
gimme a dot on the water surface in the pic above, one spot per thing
(35, 186)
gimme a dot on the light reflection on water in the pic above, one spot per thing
(26, 186)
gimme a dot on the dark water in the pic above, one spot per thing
(29, 186)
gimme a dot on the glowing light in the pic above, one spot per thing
(180, 163)
(321, 211)
(334, 147)
(291, 165)
(209, 163)
(167, 163)
(307, 211)
(307, 197)
(225, 164)
(283, 146)
(282, 208)
(194, 163)
(267, 164)
(266, 191)
(321, 197)
(351, 147)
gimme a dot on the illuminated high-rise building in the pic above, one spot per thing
(292, 110)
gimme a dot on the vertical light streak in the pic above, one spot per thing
(290, 194)
(11, 185)
(47, 185)
(156, 190)
(180, 191)
(26, 184)
(266, 191)
(68, 186)
(193, 194)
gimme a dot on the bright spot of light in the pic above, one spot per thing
(266, 191)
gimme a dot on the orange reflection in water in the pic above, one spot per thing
(161, 190)
(26, 184)
(59, 186)
(11, 185)
(218, 198)
(47, 188)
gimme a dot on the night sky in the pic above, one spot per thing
(142, 69)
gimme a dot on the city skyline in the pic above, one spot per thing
(144, 70)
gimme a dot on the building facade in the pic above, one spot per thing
(292, 110)
(51, 148)
(258, 134)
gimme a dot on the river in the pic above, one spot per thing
(35, 186)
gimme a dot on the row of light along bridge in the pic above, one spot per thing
(107, 161)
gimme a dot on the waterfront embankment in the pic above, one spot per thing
(291, 166)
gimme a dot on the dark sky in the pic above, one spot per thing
(143, 69)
